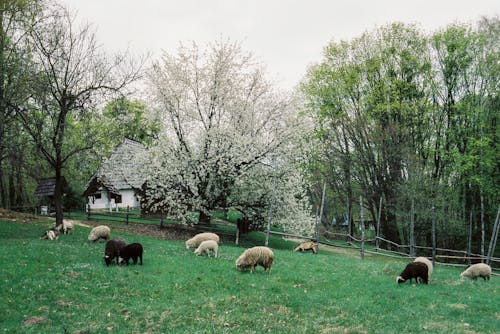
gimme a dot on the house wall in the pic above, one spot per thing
(128, 199)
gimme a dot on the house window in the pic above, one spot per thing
(118, 199)
(97, 195)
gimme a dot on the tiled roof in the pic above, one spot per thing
(122, 170)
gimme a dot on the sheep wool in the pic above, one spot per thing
(252, 257)
(425, 260)
(200, 237)
(477, 270)
(112, 250)
(206, 246)
(305, 246)
(99, 232)
(414, 270)
(52, 234)
(66, 226)
(133, 251)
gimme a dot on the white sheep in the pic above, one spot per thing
(477, 270)
(51, 234)
(66, 226)
(200, 237)
(99, 232)
(427, 262)
(259, 255)
(206, 246)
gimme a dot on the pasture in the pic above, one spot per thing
(64, 286)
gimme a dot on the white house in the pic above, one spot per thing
(118, 180)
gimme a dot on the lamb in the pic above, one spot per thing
(477, 270)
(305, 246)
(414, 270)
(112, 250)
(206, 246)
(259, 255)
(52, 234)
(66, 226)
(200, 237)
(133, 251)
(99, 232)
(427, 262)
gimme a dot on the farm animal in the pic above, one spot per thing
(200, 237)
(427, 262)
(477, 270)
(131, 251)
(305, 246)
(112, 250)
(99, 232)
(252, 257)
(206, 246)
(414, 270)
(52, 234)
(66, 226)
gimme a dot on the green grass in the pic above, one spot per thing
(66, 284)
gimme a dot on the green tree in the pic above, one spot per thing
(69, 75)
(16, 18)
(130, 119)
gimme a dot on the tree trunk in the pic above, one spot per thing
(58, 196)
(204, 218)
(3, 199)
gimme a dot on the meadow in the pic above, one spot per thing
(63, 286)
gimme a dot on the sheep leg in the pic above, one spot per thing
(140, 257)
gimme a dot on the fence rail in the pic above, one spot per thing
(349, 241)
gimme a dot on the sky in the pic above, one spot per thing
(286, 36)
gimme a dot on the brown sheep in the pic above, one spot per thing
(305, 246)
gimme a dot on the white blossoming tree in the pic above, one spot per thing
(221, 122)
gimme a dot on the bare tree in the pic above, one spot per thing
(70, 75)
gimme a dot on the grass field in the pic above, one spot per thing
(63, 286)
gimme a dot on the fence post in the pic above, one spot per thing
(412, 228)
(88, 211)
(378, 224)
(238, 224)
(349, 227)
(433, 236)
(126, 215)
(362, 250)
(161, 221)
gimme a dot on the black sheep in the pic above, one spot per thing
(133, 251)
(414, 270)
(113, 249)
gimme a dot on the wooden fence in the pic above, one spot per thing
(440, 256)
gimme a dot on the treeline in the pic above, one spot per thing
(411, 118)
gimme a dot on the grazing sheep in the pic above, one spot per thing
(112, 250)
(52, 234)
(427, 262)
(254, 256)
(477, 270)
(206, 246)
(414, 270)
(200, 237)
(305, 246)
(132, 251)
(66, 226)
(99, 232)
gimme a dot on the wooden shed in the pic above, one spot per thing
(45, 191)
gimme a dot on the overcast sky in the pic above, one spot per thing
(285, 35)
